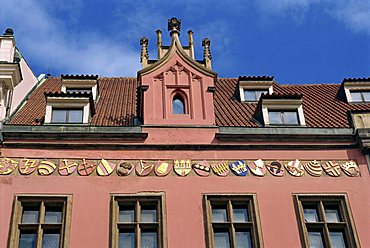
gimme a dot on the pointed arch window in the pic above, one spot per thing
(178, 105)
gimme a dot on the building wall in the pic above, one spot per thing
(24, 87)
(183, 195)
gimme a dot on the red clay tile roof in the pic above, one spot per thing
(118, 103)
(321, 107)
(115, 107)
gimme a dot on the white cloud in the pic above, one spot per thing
(43, 36)
(354, 14)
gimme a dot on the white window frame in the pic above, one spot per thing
(355, 86)
(254, 85)
(283, 105)
(68, 102)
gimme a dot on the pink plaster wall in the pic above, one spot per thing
(21, 90)
(185, 228)
(178, 75)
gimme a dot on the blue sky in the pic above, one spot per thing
(297, 41)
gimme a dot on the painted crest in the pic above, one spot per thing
(27, 166)
(331, 168)
(239, 168)
(162, 168)
(86, 167)
(46, 167)
(257, 167)
(221, 169)
(202, 168)
(295, 168)
(67, 167)
(276, 168)
(105, 167)
(350, 168)
(7, 166)
(182, 167)
(313, 168)
(143, 168)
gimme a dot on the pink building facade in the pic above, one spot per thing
(178, 157)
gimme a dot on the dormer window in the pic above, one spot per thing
(283, 117)
(67, 115)
(357, 90)
(67, 108)
(251, 88)
(80, 84)
(360, 96)
(281, 110)
(253, 95)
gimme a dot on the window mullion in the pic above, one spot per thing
(138, 221)
(40, 230)
(325, 230)
(231, 225)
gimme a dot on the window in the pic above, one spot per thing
(360, 96)
(79, 90)
(282, 117)
(178, 106)
(254, 95)
(137, 221)
(67, 115)
(232, 221)
(40, 222)
(325, 221)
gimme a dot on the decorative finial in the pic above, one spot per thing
(159, 37)
(9, 32)
(191, 44)
(144, 51)
(174, 25)
(206, 43)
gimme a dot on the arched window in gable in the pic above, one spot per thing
(178, 105)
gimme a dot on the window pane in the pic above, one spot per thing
(222, 240)
(30, 214)
(337, 240)
(53, 214)
(127, 215)
(243, 240)
(148, 215)
(259, 93)
(366, 95)
(240, 214)
(178, 107)
(127, 240)
(219, 214)
(315, 240)
(249, 95)
(50, 240)
(332, 215)
(148, 240)
(275, 117)
(290, 118)
(27, 240)
(59, 116)
(310, 215)
(356, 96)
(75, 116)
